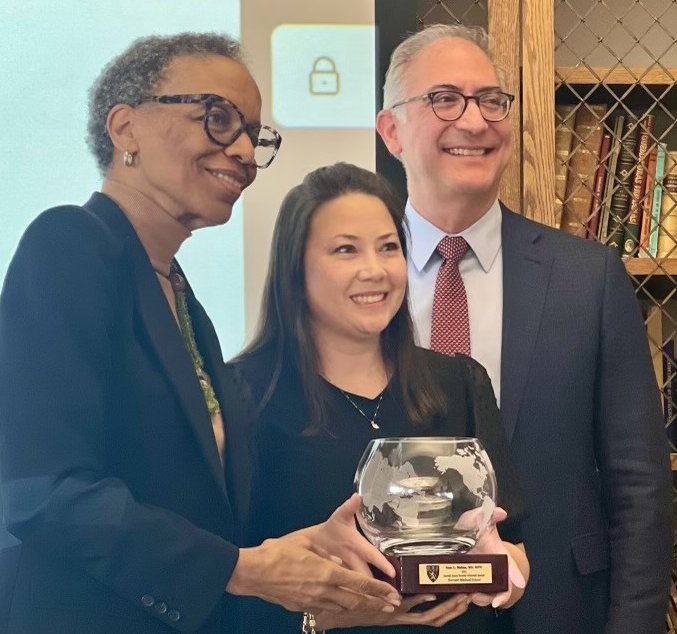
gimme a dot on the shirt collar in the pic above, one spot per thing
(483, 237)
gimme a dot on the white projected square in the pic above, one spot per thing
(323, 75)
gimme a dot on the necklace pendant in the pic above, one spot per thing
(372, 420)
(177, 281)
(209, 395)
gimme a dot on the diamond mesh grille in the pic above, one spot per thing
(619, 58)
(469, 12)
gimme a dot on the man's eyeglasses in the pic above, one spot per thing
(449, 105)
(223, 123)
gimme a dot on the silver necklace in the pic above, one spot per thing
(372, 420)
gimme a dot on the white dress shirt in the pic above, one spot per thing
(482, 272)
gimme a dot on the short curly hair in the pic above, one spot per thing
(133, 75)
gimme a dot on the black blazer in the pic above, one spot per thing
(581, 410)
(109, 469)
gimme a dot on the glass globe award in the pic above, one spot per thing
(425, 503)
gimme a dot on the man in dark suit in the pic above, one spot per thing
(123, 457)
(554, 320)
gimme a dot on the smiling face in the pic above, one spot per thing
(176, 164)
(448, 162)
(355, 271)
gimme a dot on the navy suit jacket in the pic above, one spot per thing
(582, 414)
(109, 470)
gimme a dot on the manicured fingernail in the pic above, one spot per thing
(429, 597)
(388, 608)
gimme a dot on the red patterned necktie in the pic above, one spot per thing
(450, 331)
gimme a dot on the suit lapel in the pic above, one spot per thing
(234, 411)
(163, 332)
(526, 274)
(237, 418)
(171, 350)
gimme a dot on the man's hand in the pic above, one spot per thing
(308, 570)
(436, 616)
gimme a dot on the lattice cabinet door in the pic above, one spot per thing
(613, 129)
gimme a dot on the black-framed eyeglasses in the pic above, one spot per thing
(223, 123)
(449, 105)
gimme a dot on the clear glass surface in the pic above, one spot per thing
(425, 495)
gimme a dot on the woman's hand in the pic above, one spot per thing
(436, 616)
(317, 569)
(339, 537)
(518, 566)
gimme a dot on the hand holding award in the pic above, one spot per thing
(426, 502)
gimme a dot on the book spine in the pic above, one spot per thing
(584, 157)
(610, 186)
(598, 188)
(564, 136)
(620, 201)
(667, 232)
(634, 219)
(661, 151)
(647, 204)
(669, 374)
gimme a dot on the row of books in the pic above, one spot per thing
(615, 182)
(661, 328)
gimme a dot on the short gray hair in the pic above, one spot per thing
(414, 44)
(133, 75)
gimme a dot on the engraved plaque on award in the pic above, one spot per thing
(425, 503)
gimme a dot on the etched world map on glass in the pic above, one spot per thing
(425, 494)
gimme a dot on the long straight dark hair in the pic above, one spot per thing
(284, 326)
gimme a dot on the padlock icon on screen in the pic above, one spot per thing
(324, 79)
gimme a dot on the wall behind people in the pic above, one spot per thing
(323, 117)
(52, 52)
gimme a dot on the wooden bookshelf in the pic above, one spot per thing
(653, 279)
(641, 89)
(656, 75)
(647, 266)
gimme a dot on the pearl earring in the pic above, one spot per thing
(128, 158)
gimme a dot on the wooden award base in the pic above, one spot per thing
(419, 574)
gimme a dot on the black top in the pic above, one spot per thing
(301, 478)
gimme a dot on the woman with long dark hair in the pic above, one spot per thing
(334, 364)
